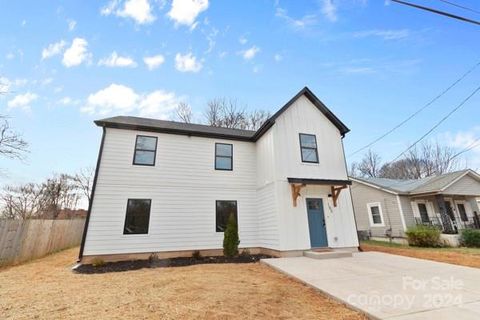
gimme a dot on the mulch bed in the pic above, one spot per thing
(165, 263)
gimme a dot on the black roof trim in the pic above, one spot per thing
(313, 99)
(154, 125)
(330, 182)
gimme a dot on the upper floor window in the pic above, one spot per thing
(223, 156)
(375, 214)
(137, 217)
(308, 148)
(145, 151)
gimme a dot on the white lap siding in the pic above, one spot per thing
(183, 186)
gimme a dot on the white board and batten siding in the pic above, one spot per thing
(303, 117)
(184, 185)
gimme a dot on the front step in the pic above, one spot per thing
(327, 254)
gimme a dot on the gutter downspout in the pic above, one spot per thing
(90, 203)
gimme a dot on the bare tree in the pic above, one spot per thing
(256, 119)
(58, 193)
(83, 181)
(184, 112)
(21, 202)
(369, 166)
(12, 144)
(213, 113)
(426, 160)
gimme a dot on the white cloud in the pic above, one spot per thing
(53, 49)
(154, 62)
(329, 10)
(138, 10)
(120, 99)
(76, 54)
(463, 140)
(114, 60)
(184, 12)
(67, 101)
(250, 53)
(298, 24)
(24, 23)
(242, 40)
(22, 101)
(187, 63)
(10, 56)
(385, 34)
(6, 84)
(46, 81)
(71, 24)
(278, 57)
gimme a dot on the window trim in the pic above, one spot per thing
(310, 148)
(236, 207)
(370, 217)
(462, 202)
(425, 203)
(215, 157)
(154, 151)
(149, 216)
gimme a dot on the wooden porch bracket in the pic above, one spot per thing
(336, 192)
(296, 192)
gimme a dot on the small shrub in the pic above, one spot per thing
(97, 262)
(153, 258)
(470, 238)
(423, 236)
(196, 255)
(230, 238)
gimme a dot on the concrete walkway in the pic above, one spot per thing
(388, 286)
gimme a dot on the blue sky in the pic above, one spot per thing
(67, 63)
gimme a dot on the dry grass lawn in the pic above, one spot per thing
(459, 256)
(48, 289)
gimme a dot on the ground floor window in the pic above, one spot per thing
(137, 217)
(375, 212)
(462, 211)
(224, 208)
(422, 209)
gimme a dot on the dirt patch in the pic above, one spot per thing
(462, 257)
(164, 263)
(48, 289)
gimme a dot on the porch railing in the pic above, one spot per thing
(471, 223)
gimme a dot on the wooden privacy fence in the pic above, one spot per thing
(23, 240)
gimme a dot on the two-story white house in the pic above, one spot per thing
(168, 188)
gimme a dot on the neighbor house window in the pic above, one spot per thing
(137, 217)
(223, 211)
(462, 211)
(223, 156)
(375, 214)
(145, 151)
(422, 209)
(308, 148)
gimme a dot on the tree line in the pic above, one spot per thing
(223, 112)
(425, 160)
(48, 198)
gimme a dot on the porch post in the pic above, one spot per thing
(446, 221)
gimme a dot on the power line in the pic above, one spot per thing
(418, 111)
(459, 6)
(439, 123)
(443, 13)
(473, 145)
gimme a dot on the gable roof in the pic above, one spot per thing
(432, 184)
(154, 125)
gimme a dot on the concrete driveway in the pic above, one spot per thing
(386, 286)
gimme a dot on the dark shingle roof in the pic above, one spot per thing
(147, 124)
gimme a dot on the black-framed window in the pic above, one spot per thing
(308, 148)
(223, 156)
(137, 217)
(145, 151)
(422, 209)
(224, 208)
(462, 211)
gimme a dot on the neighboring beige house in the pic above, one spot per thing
(385, 208)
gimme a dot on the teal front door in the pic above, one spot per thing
(316, 223)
